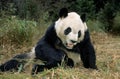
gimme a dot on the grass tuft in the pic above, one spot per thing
(16, 31)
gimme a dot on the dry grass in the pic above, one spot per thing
(108, 61)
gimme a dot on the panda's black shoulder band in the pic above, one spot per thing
(63, 13)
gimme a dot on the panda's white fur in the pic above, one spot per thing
(32, 53)
(73, 21)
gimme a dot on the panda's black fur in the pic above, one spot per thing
(47, 50)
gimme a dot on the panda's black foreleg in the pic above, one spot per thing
(88, 56)
(51, 64)
(39, 68)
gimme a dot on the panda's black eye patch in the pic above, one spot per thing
(67, 31)
(79, 34)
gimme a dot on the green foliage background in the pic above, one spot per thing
(41, 10)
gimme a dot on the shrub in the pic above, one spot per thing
(84, 7)
(116, 25)
(95, 25)
(15, 31)
(107, 15)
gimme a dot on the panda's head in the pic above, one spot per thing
(70, 28)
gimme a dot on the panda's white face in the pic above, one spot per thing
(70, 30)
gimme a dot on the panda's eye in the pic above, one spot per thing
(67, 31)
(79, 34)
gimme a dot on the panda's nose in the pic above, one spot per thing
(73, 41)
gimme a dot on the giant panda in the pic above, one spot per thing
(65, 38)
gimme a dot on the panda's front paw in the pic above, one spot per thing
(70, 62)
(37, 68)
(94, 67)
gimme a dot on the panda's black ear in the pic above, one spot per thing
(83, 17)
(63, 13)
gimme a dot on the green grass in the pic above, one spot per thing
(17, 36)
(13, 30)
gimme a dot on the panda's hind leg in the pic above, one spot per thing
(9, 65)
(15, 62)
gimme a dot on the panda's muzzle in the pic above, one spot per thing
(69, 45)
